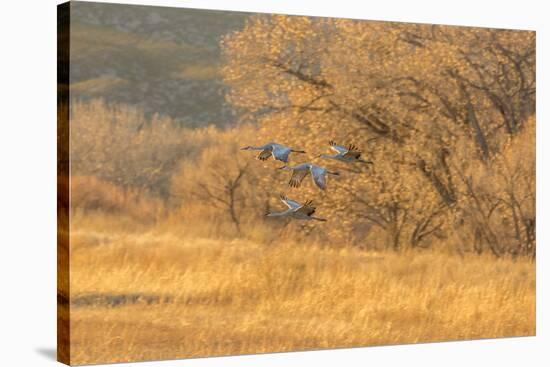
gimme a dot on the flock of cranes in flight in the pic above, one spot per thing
(305, 211)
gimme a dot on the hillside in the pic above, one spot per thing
(163, 59)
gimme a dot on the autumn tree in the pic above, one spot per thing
(427, 103)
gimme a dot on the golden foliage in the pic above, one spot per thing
(429, 105)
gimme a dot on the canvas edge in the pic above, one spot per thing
(63, 172)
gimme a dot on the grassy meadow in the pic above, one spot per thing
(154, 293)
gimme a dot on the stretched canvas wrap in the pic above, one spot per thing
(236, 183)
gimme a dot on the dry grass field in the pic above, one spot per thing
(160, 294)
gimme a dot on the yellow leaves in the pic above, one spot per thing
(339, 78)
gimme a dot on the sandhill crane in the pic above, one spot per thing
(351, 154)
(296, 210)
(299, 171)
(278, 151)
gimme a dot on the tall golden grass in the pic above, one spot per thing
(220, 297)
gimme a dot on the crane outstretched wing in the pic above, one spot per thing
(337, 148)
(308, 208)
(281, 153)
(297, 178)
(292, 204)
(318, 175)
(264, 155)
(353, 152)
